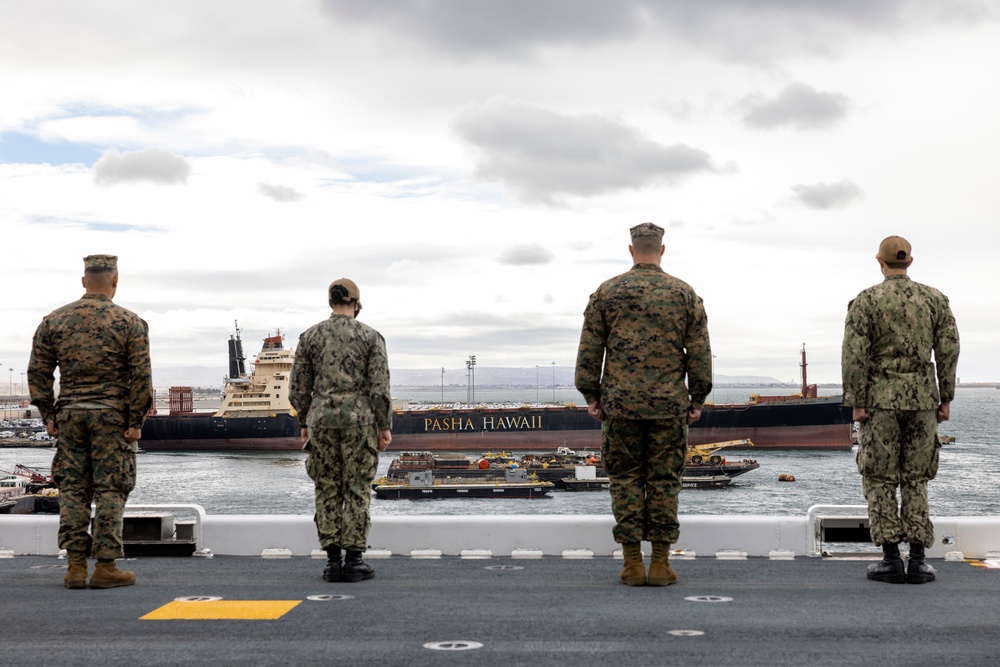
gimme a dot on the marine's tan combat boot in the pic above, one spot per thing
(76, 572)
(633, 573)
(660, 572)
(106, 575)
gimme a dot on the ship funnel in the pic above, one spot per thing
(237, 367)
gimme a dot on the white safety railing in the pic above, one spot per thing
(718, 536)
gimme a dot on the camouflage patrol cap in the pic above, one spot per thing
(98, 263)
(352, 289)
(647, 230)
(894, 250)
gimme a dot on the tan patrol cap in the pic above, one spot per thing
(98, 263)
(647, 230)
(352, 289)
(894, 250)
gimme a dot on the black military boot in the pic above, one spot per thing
(356, 569)
(334, 566)
(918, 571)
(890, 569)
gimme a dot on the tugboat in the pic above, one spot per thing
(255, 413)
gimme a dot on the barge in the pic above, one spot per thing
(514, 483)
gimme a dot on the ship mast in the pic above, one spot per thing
(805, 383)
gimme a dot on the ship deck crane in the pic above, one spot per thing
(706, 451)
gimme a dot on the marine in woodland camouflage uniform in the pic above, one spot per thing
(889, 379)
(340, 388)
(644, 334)
(105, 392)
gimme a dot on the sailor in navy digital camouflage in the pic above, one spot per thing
(644, 366)
(340, 389)
(899, 393)
(105, 392)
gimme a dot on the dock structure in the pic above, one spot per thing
(507, 590)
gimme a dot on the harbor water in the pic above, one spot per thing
(276, 482)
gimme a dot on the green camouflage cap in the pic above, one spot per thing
(648, 230)
(95, 263)
(894, 250)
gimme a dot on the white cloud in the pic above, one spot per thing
(825, 196)
(735, 29)
(280, 193)
(151, 165)
(526, 254)
(545, 155)
(797, 106)
(421, 173)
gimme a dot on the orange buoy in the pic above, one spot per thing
(483, 464)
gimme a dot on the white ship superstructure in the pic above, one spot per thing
(264, 392)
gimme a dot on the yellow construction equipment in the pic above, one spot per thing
(706, 453)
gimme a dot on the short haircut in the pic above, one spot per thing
(647, 245)
(100, 277)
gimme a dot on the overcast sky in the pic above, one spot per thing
(475, 167)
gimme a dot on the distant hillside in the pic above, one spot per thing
(189, 376)
(543, 376)
(527, 377)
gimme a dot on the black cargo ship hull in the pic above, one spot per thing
(209, 433)
(817, 423)
(814, 423)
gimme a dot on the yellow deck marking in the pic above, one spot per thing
(239, 610)
(989, 563)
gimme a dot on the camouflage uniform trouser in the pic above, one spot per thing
(644, 460)
(898, 448)
(93, 463)
(342, 464)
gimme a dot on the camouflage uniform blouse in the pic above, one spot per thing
(649, 331)
(890, 332)
(341, 376)
(102, 351)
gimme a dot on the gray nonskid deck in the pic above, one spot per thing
(527, 612)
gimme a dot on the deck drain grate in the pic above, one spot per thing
(329, 598)
(198, 598)
(453, 646)
(708, 598)
(685, 633)
(501, 568)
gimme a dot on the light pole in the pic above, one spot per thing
(471, 363)
(10, 392)
(442, 384)
(468, 382)
(713, 378)
(553, 382)
(536, 383)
